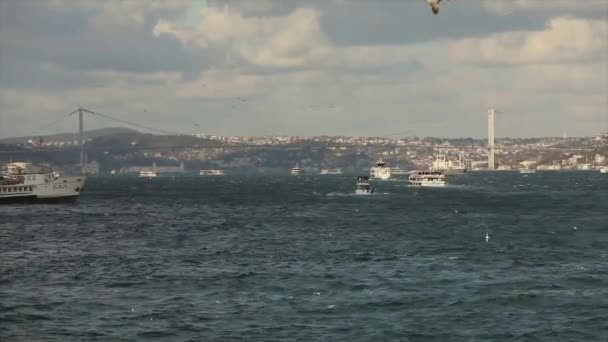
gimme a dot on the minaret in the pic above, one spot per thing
(491, 114)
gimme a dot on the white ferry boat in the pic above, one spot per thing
(148, 173)
(20, 184)
(211, 172)
(380, 171)
(397, 171)
(297, 170)
(363, 186)
(427, 178)
(331, 171)
(450, 168)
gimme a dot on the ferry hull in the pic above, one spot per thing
(432, 185)
(33, 199)
(48, 190)
(455, 171)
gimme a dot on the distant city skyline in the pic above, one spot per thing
(310, 68)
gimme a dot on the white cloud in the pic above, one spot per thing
(293, 40)
(119, 14)
(503, 6)
(563, 40)
(119, 77)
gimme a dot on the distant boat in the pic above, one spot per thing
(211, 172)
(380, 171)
(297, 170)
(397, 171)
(427, 178)
(363, 186)
(442, 164)
(604, 169)
(527, 171)
(331, 171)
(148, 174)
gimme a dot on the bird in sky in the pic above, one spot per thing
(434, 5)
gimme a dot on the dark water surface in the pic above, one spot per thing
(300, 258)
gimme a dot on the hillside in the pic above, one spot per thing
(92, 134)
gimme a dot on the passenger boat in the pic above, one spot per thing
(148, 173)
(380, 171)
(297, 170)
(525, 171)
(363, 186)
(20, 184)
(211, 172)
(441, 163)
(331, 171)
(427, 178)
(397, 171)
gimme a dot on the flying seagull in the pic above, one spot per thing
(434, 5)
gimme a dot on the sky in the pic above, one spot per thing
(307, 67)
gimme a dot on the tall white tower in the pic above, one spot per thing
(491, 114)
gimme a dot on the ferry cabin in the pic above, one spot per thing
(17, 190)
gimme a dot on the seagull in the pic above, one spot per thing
(487, 237)
(434, 5)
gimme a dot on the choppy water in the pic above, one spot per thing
(261, 258)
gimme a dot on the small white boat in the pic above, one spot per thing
(211, 172)
(363, 186)
(604, 169)
(331, 171)
(527, 171)
(427, 178)
(297, 170)
(148, 174)
(380, 171)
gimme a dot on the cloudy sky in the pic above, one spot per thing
(307, 67)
